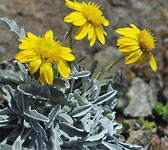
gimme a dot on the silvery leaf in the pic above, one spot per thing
(34, 90)
(111, 146)
(41, 145)
(56, 138)
(97, 89)
(108, 125)
(35, 115)
(97, 137)
(5, 147)
(10, 98)
(106, 97)
(17, 144)
(71, 130)
(81, 74)
(93, 68)
(11, 75)
(85, 84)
(39, 129)
(130, 147)
(81, 111)
(20, 33)
(52, 115)
(65, 118)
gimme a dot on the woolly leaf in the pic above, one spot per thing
(111, 146)
(65, 118)
(106, 97)
(5, 147)
(55, 138)
(52, 115)
(39, 129)
(81, 111)
(97, 137)
(17, 144)
(35, 115)
(130, 147)
(19, 33)
(61, 83)
(10, 98)
(71, 130)
(96, 91)
(85, 84)
(11, 75)
(81, 74)
(34, 90)
(93, 68)
(41, 145)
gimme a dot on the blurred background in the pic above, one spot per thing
(143, 110)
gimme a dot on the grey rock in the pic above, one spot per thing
(143, 99)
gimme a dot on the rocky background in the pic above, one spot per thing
(143, 110)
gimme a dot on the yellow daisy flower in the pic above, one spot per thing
(137, 45)
(41, 52)
(90, 19)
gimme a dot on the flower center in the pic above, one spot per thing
(92, 13)
(48, 49)
(146, 41)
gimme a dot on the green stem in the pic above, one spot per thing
(68, 35)
(108, 67)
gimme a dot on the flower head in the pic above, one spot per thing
(90, 19)
(137, 45)
(41, 52)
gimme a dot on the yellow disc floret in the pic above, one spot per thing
(146, 41)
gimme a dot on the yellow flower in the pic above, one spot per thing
(137, 45)
(41, 52)
(90, 19)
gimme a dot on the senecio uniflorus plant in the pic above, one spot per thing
(49, 102)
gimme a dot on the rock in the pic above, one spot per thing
(140, 137)
(143, 99)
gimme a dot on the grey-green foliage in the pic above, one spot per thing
(77, 114)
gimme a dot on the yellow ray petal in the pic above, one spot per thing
(66, 49)
(128, 48)
(63, 68)
(127, 41)
(105, 22)
(49, 35)
(32, 36)
(73, 5)
(143, 58)
(67, 56)
(134, 27)
(93, 39)
(76, 18)
(152, 62)
(100, 35)
(46, 73)
(34, 66)
(82, 31)
(133, 57)
(26, 56)
(91, 32)
(129, 32)
(27, 43)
